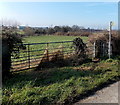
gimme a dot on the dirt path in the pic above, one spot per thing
(106, 95)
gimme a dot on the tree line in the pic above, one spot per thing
(74, 30)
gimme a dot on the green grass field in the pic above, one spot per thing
(50, 38)
(44, 39)
(57, 85)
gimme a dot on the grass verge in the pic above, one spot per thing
(57, 85)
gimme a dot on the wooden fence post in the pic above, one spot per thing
(29, 56)
(103, 49)
(94, 50)
(62, 50)
(47, 54)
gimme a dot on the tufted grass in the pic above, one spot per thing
(57, 85)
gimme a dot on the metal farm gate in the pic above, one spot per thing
(34, 52)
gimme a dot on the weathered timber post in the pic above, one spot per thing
(47, 53)
(103, 49)
(29, 56)
(94, 50)
(109, 43)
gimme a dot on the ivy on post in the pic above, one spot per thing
(80, 50)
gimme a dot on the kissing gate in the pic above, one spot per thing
(100, 49)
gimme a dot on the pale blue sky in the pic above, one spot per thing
(87, 14)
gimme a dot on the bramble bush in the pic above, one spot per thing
(11, 43)
(104, 38)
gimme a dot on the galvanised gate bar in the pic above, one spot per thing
(34, 52)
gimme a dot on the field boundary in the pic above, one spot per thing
(35, 53)
(30, 57)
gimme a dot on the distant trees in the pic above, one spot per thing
(40, 31)
(57, 29)
(66, 29)
(29, 31)
(50, 31)
(13, 24)
(74, 30)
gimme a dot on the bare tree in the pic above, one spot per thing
(9, 22)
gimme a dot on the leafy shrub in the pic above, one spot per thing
(11, 43)
(80, 50)
(59, 33)
(86, 34)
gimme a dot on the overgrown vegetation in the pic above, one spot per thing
(80, 51)
(11, 44)
(103, 38)
(58, 85)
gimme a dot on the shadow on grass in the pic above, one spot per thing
(48, 76)
(92, 92)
